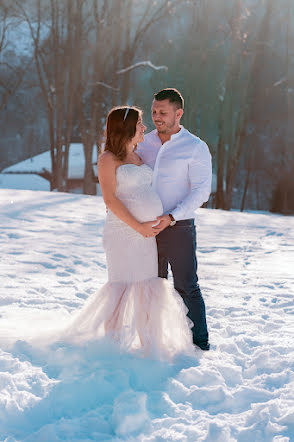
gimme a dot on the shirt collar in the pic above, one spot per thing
(178, 134)
(174, 136)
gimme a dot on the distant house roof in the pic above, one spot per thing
(23, 181)
(38, 163)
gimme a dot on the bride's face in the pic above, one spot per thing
(140, 129)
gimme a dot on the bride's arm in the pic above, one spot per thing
(107, 179)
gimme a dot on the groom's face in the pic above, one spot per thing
(166, 117)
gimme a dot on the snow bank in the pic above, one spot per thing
(242, 390)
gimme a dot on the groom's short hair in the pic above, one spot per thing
(171, 94)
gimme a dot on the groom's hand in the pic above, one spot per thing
(164, 222)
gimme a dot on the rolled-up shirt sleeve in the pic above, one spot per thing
(200, 174)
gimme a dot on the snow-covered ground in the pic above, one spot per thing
(242, 390)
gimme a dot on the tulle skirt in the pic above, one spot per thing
(147, 316)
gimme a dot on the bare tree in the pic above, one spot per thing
(89, 93)
(236, 114)
(11, 72)
(231, 128)
(282, 199)
(138, 19)
(110, 66)
(55, 61)
(73, 63)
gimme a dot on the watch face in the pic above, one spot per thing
(172, 223)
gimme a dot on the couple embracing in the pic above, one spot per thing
(151, 193)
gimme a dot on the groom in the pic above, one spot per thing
(182, 178)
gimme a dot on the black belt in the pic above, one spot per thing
(185, 222)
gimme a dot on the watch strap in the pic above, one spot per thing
(172, 220)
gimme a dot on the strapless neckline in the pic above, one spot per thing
(131, 164)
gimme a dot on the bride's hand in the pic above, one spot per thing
(146, 229)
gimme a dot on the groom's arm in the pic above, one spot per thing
(199, 175)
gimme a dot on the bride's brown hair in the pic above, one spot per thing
(120, 129)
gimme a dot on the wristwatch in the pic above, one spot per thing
(172, 220)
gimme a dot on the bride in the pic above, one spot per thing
(136, 308)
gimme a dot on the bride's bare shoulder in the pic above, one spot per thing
(107, 160)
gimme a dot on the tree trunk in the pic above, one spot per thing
(226, 114)
(234, 160)
(128, 56)
(247, 180)
(89, 185)
(219, 197)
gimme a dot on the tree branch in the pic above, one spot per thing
(139, 64)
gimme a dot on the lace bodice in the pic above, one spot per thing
(130, 256)
(134, 189)
(131, 178)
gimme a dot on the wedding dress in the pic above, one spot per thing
(139, 310)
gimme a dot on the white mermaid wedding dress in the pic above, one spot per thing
(139, 310)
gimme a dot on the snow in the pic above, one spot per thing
(42, 161)
(52, 259)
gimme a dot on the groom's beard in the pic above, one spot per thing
(166, 127)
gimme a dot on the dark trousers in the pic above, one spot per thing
(177, 246)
